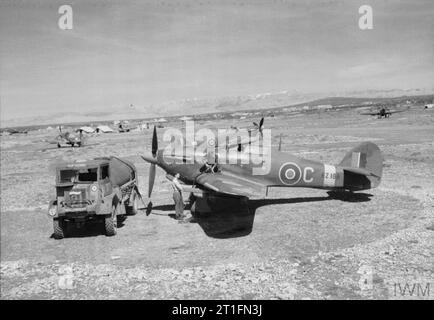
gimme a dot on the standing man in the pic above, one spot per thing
(177, 197)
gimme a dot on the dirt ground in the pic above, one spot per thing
(293, 244)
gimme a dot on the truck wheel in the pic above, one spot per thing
(59, 228)
(111, 223)
(134, 208)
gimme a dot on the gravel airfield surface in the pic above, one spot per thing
(294, 244)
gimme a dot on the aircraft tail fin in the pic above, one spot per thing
(365, 159)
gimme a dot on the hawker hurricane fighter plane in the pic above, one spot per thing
(381, 112)
(68, 139)
(247, 173)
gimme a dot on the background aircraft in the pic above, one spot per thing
(233, 137)
(15, 131)
(68, 139)
(382, 112)
(360, 169)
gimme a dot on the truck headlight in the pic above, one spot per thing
(52, 211)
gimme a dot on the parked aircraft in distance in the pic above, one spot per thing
(381, 112)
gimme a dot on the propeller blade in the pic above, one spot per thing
(152, 159)
(261, 123)
(149, 208)
(154, 142)
(151, 179)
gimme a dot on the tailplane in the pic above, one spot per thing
(364, 160)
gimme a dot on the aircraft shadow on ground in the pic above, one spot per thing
(238, 221)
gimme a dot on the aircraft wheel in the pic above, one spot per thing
(111, 223)
(59, 228)
(192, 201)
(58, 145)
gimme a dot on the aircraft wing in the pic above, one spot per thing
(230, 184)
(370, 113)
(395, 111)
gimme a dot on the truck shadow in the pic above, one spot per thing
(90, 229)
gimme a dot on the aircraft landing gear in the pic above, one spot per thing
(179, 204)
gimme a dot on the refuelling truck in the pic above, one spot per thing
(99, 189)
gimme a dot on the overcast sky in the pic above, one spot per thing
(150, 52)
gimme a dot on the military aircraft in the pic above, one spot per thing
(381, 112)
(210, 184)
(15, 131)
(69, 139)
(235, 136)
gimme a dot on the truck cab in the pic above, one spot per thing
(85, 191)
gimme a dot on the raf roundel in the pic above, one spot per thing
(211, 142)
(289, 173)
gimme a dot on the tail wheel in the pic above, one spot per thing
(111, 223)
(59, 228)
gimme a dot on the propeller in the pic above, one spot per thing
(256, 127)
(152, 169)
(259, 126)
(152, 159)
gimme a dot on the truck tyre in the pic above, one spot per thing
(133, 208)
(111, 223)
(59, 228)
